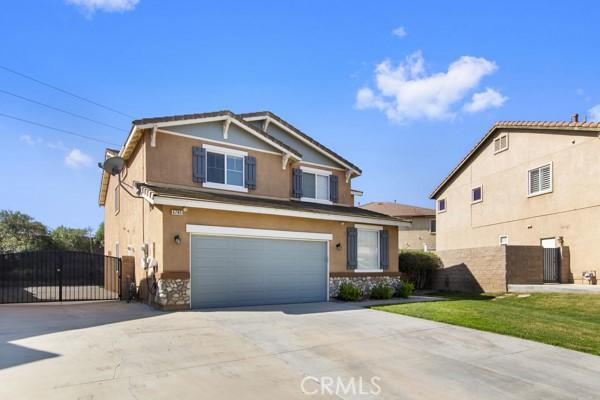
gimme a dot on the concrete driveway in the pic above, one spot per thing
(127, 351)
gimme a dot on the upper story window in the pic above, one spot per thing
(315, 185)
(540, 180)
(432, 227)
(476, 194)
(503, 240)
(224, 168)
(501, 143)
(441, 205)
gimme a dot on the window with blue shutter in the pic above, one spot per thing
(250, 172)
(297, 183)
(198, 164)
(333, 188)
(384, 249)
(351, 248)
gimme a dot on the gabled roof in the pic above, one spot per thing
(323, 149)
(530, 125)
(139, 125)
(148, 122)
(398, 210)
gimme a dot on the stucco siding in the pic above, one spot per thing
(417, 235)
(507, 209)
(176, 257)
(170, 162)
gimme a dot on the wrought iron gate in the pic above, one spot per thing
(551, 265)
(42, 276)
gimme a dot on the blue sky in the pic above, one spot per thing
(402, 89)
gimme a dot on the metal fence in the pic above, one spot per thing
(552, 265)
(43, 276)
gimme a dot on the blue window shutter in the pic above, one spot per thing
(250, 172)
(384, 249)
(333, 188)
(198, 164)
(297, 183)
(352, 248)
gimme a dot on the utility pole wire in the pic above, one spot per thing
(12, 71)
(60, 110)
(57, 129)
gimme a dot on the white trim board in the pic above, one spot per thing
(211, 205)
(258, 233)
(241, 125)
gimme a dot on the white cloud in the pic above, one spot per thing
(91, 6)
(594, 113)
(57, 146)
(77, 159)
(29, 140)
(489, 98)
(408, 92)
(400, 31)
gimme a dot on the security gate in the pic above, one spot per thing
(43, 276)
(551, 265)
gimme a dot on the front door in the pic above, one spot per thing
(551, 260)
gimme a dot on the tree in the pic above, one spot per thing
(20, 232)
(99, 235)
(72, 239)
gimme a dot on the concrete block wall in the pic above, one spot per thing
(525, 265)
(480, 269)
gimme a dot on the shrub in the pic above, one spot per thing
(404, 289)
(382, 292)
(349, 292)
(418, 266)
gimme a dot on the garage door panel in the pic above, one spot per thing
(231, 271)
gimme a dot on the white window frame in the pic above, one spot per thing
(369, 228)
(117, 194)
(540, 192)
(316, 172)
(445, 205)
(499, 139)
(225, 152)
(430, 230)
(117, 250)
(473, 201)
(500, 240)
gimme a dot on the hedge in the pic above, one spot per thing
(418, 266)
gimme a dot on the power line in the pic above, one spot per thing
(12, 71)
(57, 129)
(60, 110)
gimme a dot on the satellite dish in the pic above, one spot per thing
(113, 165)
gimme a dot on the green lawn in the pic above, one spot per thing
(566, 320)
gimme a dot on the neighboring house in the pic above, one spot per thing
(527, 184)
(239, 209)
(420, 235)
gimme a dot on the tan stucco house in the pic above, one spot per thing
(525, 185)
(223, 209)
(420, 234)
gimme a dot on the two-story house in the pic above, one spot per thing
(224, 209)
(420, 234)
(527, 184)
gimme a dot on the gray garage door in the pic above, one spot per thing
(233, 271)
